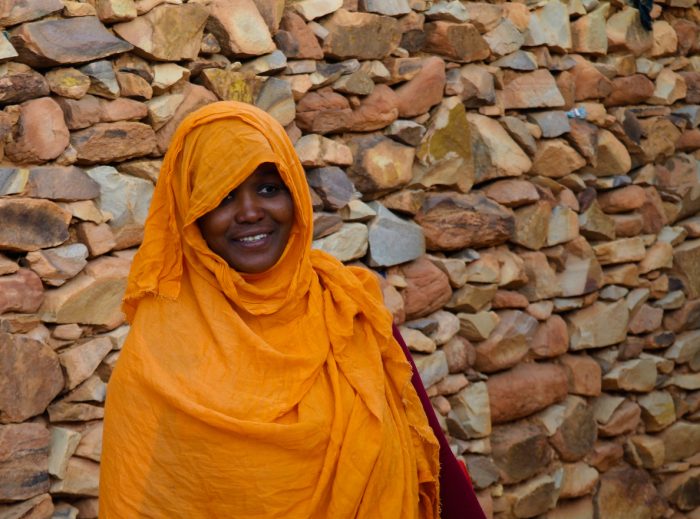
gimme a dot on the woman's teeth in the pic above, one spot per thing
(249, 239)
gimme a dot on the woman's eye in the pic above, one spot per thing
(269, 189)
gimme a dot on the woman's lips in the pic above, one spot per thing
(254, 241)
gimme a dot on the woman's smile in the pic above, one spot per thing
(251, 226)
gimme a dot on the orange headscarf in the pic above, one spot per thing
(279, 394)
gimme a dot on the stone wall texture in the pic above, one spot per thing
(524, 175)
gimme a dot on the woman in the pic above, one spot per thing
(260, 378)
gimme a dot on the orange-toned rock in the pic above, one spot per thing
(584, 374)
(456, 41)
(43, 134)
(520, 450)
(424, 90)
(427, 288)
(524, 390)
(21, 292)
(532, 90)
(453, 221)
(239, 28)
(551, 338)
(625, 33)
(295, 39)
(622, 200)
(627, 90)
(195, 96)
(113, 142)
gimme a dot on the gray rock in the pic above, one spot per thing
(553, 123)
(393, 240)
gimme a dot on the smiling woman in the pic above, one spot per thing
(260, 378)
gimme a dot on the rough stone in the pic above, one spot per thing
(42, 135)
(495, 153)
(20, 292)
(460, 42)
(507, 344)
(424, 90)
(454, 221)
(332, 185)
(524, 390)
(81, 479)
(432, 368)
(626, 492)
(380, 164)
(584, 374)
(92, 297)
(30, 224)
(658, 410)
(584, 331)
(532, 90)
(53, 42)
(427, 287)
(110, 142)
(520, 451)
(393, 240)
(57, 265)
(682, 440)
(576, 435)
(470, 416)
(379, 35)
(167, 32)
(625, 33)
(24, 466)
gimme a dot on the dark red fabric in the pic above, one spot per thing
(457, 497)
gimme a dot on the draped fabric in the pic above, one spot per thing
(278, 394)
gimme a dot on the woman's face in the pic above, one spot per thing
(251, 226)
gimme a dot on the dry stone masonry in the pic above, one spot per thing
(523, 176)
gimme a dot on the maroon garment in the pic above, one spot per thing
(457, 497)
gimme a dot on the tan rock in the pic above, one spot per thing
(658, 410)
(455, 41)
(625, 250)
(432, 368)
(584, 329)
(110, 11)
(625, 492)
(520, 451)
(554, 158)
(470, 416)
(511, 192)
(90, 445)
(524, 390)
(311, 9)
(625, 33)
(68, 82)
(63, 445)
(380, 165)
(681, 489)
(563, 226)
(541, 280)
(533, 497)
(507, 344)
(646, 320)
(454, 221)
(549, 25)
(79, 362)
(57, 265)
(167, 32)
(133, 85)
(39, 507)
(572, 509)
(349, 243)
(637, 375)
(647, 451)
(21, 292)
(595, 224)
(669, 87)
(379, 35)
(165, 75)
(92, 297)
(532, 90)
(624, 420)
(532, 225)
(82, 479)
(471, 298)
(588, 33)
(682, 440)
(417, 341)
(665, 39)
(579, 479)
(478, 326)
(25, 449)
(496, 154)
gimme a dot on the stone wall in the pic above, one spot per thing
(524, 175)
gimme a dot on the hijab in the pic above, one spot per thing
(277, 394)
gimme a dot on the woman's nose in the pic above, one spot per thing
(248, 207)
